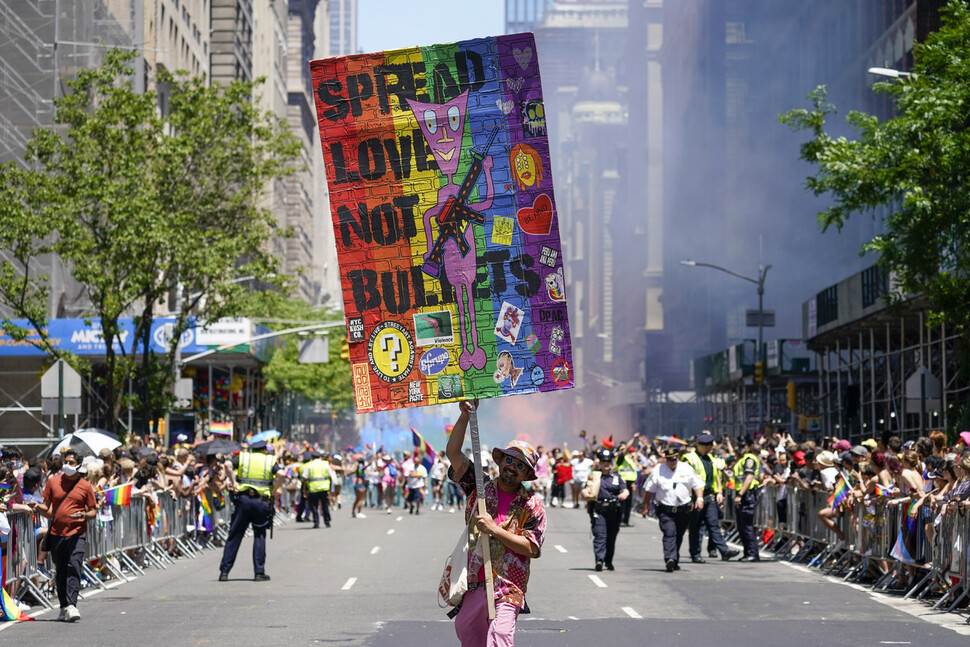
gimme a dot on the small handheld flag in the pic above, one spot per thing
(9, 611)
(840, 496)
(425, 447)
(120, 495)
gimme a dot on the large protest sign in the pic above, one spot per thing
(445, 222)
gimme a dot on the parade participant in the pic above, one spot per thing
(318, 476)
(747, 472)
(254, 480)
(515, 523)
(360, 487)
(671, 483)
(68, 501)
(604, 493)
(417, 479)
(708, 468)
(582, 465)
(628, 469)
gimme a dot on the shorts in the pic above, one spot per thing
(415, 495)
(543, 482)
(360, 486)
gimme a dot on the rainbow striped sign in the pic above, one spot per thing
(445, 222)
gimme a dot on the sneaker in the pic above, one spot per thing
(353, 515)
(389, 511)
(23, 606)
(361, 515)
(62, 616)
(261, 577)
(71, 614)
(599, 566)
(730, 554)
(43, 572)
(451, 510)
(671, 565)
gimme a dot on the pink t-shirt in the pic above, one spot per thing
(504, 503)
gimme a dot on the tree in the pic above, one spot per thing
(918, 162)
(329, 381)
(137, 202)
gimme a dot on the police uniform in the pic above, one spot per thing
(605, 510)
(708, 468)
(670, 486)
(747, 503)
(254, 479)
(628, 470)
(318, 477)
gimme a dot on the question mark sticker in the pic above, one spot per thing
(391, 351)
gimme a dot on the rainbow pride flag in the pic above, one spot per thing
(840, 496)
(220, 499)
(206, 512)
(424, 447)
(883, 490)
(220, 428)
(120, 495)
(9, 611)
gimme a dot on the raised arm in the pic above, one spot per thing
(459, 463)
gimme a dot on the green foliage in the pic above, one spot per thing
(330, 381)
(135, 202)
(918, 162)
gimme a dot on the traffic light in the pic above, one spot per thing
(792, 398)
(759, 372)
(345, 350)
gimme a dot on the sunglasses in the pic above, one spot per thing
(517, 464)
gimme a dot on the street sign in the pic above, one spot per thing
(183, 388)
(49, 382)
(315, 350)
(764, 318)
(72, 406)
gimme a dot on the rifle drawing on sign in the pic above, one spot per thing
(443, 127)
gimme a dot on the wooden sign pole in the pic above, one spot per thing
(480, 489)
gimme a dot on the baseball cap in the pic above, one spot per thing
(859, 450)
(843, 445)
(869, 442)
(799, 458)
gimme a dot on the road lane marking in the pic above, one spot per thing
(399, 518)
(597, 581)
(349, 583)
(571, 618)
(391, 531)
(373, 551)
(561, 549)
(630, 612)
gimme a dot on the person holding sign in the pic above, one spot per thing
(515, 523)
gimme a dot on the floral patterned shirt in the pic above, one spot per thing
(526, 517)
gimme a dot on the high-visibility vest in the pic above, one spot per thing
(627, 467)
(693, 459)
(317, 473)
(255, 472)
(739, 471)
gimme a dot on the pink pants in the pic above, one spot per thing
(473, 627)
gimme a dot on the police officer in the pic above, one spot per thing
(318, 477)
(255, 471)
(671, 483)
(605, 493)
(708, 468)
(747, 487)
(627, 469)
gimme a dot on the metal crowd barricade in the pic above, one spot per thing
(871, 529)
(22, 557)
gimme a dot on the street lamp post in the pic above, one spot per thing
(760, 282)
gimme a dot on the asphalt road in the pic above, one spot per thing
(371, 582)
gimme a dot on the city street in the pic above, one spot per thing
(371, 582)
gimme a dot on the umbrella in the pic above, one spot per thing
(88, 441)
(218, 446)
(269, 434)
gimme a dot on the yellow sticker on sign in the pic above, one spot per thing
(391, 351)
(502, 230)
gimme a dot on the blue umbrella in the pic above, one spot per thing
(269, 434)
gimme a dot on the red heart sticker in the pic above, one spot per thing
(537, 219)
(508, 186)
